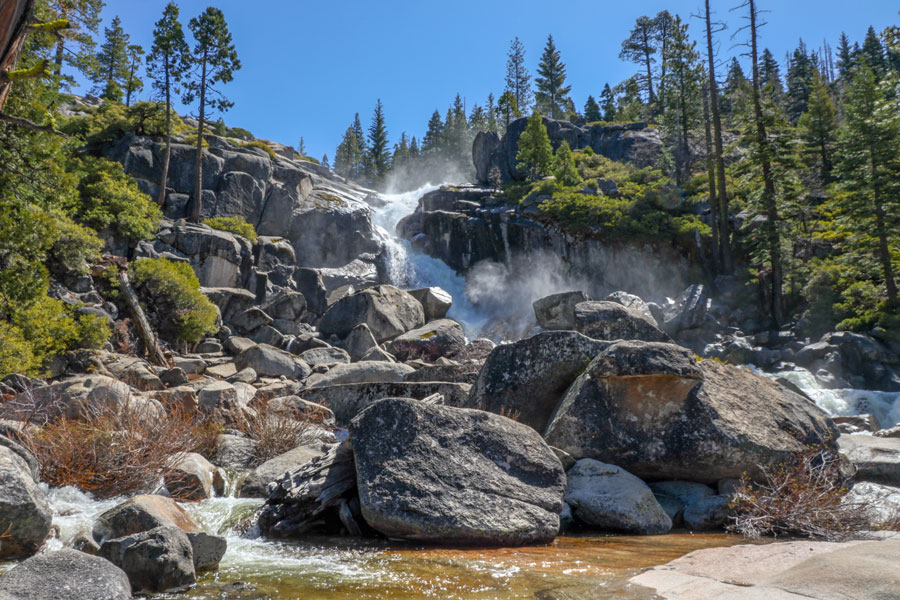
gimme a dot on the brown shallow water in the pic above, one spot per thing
(331, 569)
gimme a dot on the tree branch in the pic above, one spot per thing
(29, 124)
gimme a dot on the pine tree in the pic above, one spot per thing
(873, 53)
(551, 93)
(869, 171)
(846, 58)
(347, 158)
(414, 149)
(770, 76)
(799, 83)
(214, 60)
(379, 157)
(518, 80)
(433, 142)
(735, 83)
(112, 62)
(663, 24)
(75, 44)
(639, 48)
(682, 99)
(764, 155)
(401, 153)
(456, 132)
(535, 153)
(301, 147)
(493, 123)
(818, 127)
(133, 83)
(508, 109)
(166, 64)
(325, 162)
(608, 103)
(478, 121)
(563, 166)
(360, 158)
(592, 110)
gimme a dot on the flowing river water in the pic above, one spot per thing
(255, 568)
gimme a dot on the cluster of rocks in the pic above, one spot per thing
(603, 423)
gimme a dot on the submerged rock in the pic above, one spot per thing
(157, 560)
(65, 575)
(608, 497)
(455, 476)
(659, 414)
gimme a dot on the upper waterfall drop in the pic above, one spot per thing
(410, 269)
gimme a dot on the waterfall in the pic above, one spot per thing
(410, 269)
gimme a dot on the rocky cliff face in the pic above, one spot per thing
(465, 226)
(635, 143)
(326, 220)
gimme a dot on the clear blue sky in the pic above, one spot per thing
(309, 66)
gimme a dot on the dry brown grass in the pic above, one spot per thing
(801, 498)
(277, 428)
(113, 451)
(510, 413)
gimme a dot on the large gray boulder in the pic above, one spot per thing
(254, 483)
(367, 371)
(142, 513)
(269, 361)
(65, 575)
(527, 379)
(609, 497)
(612, 321)
(661, 415)
(441, 338)
(25, 516)
(435, 301)
(350, 399)
(558, 311)
(388, 311)
(455, 476)
(157, 560)
(73, 398)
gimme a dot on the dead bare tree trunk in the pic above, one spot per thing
(140, 321)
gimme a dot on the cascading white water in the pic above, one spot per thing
(410, 269)
(842, 402)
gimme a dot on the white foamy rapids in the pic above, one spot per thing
(844, 402)
(410, 269)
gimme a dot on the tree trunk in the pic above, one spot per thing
(14, 16)
(140, 321)
(711, 176)
(198, 161)
(164, 180)
(884, 252)
(724, 227)
(769, 196)
(651, 97)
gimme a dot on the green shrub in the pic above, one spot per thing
(235, 225)
(111, 200)
(44, 330)
(16, 355)
(240, 133)
(74, 247)
(173, 298)
(262, 146)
